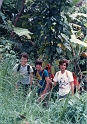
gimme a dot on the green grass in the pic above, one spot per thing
(72, 110)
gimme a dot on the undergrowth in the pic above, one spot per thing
(17, 109)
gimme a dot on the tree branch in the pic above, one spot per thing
(18, 15)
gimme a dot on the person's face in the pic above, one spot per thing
(38, 67)
(23, 61)
(63, 67)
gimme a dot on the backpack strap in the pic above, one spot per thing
(43, 77)
(34, 71)
(58, 73)
(19, 66)
(28, 68)
(66, 73)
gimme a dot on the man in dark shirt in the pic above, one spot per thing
(44, 80)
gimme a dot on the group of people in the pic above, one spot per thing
(45, 79)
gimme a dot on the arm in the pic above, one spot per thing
(48, 81)
(31, 79)
(71, 80)
(72, 87)
(55, 79)
(31, 76)
(54, 83)
(47, 85)
(77, 84)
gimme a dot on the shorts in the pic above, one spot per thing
(61, 97)
(23, 88)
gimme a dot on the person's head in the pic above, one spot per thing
(63, 64)
(38, 65)
(24, 58)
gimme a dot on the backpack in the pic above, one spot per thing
(28, 68)
(76, 83)
(51, 76)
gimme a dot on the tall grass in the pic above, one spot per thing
(16, 109)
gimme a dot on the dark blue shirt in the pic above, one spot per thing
(42, 82)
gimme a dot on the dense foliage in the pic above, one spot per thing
(49, 23)
(49, 30)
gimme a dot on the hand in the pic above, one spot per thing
(42, 96)
(52, 83)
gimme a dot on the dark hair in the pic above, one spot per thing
(38, 62)
(24, 54)
(61, 62)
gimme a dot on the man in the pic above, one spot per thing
(65, 79)
(25, 71)
(43, 78)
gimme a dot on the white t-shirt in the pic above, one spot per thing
(24, 76)
(64, 81)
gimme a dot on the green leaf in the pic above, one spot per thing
(74, 15)
(22, 31)
(85, 72)
(75, 2)
(25, 24)
(85, 24)
(77, 41)
(25, 16)
(78, 33)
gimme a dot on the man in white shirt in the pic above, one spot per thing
(65, 79)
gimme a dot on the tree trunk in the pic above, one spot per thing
(21, 9)
(18, 15)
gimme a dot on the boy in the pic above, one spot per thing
(44, 80)
(65, 79)
(25, 72)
